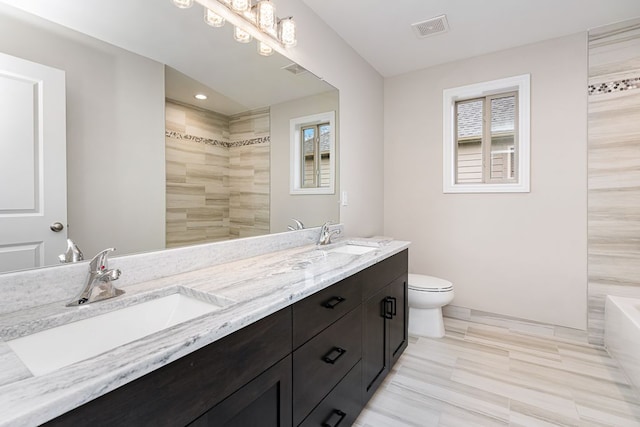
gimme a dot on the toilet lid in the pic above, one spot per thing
(420, 282)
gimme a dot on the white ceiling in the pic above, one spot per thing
(380, 30)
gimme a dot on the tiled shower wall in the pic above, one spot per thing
(249, 174)
(217, 172)
(614, 168)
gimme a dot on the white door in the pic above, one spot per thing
(33, 188)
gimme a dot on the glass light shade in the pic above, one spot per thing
(241, 35)
(240, 5)
(183, 4)
(264, 49)
(212, 18)
(287, 32)
(266, 15)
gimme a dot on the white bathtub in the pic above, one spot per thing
(622, 334)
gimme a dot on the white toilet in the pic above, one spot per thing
(427, 296)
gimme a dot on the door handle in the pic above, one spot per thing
(57, 227)
(387, 308)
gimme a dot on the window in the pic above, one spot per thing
(316, 156)
(313, 154)
(486, 137)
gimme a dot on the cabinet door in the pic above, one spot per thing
(374, 342)
(385, 333)
(263, 402)
(398, 322)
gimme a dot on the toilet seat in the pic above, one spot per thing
(423, 283)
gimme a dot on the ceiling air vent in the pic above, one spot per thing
(431, 26)
(295, 69)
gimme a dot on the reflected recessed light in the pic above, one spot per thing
(200, 96)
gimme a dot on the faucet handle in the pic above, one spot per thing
(99, 262)
(299, 224)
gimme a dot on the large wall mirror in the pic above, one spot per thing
(147, 165)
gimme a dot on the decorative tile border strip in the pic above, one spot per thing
(215, 142)
(615, 86)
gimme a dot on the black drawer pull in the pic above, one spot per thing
(333, 302)
(394, 301)
(333, 356)
(387, 308)
(336, 413)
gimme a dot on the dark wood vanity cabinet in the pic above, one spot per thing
(182, 391)
(315, 363)
(348, 360)
(385, 320)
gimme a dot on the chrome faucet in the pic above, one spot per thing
(98, 286)
(299, 225)
(72, 254)
(326, 234)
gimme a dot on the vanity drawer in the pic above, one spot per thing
(342, 405)
(323, 361)
(381, 274)
(316, 312)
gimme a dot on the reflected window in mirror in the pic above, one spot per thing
(316, 154)
(313, 154)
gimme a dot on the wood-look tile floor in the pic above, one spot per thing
(480, 375)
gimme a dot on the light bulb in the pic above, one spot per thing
(264, 49)
(183, 4)
(212, 18)
(240, 5)
(241, 35)
(266, 16)
(287, 32)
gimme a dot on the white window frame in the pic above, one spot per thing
(295, 126)
(521, 84)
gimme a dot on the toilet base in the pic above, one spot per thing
(426, 322)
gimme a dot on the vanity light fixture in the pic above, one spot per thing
(183, 4)
(264, 49)
(240, 6)
(241, 36)
(212, 18)
(287, 32)
(265, 15)
(200, 96)
(252, 19)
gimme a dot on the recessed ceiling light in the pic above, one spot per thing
(200, 96)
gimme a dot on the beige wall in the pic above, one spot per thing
(521, 255)
(312, 210)
(115, 137)
(325, 54)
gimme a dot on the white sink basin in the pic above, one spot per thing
(353, 249)
(54, 348)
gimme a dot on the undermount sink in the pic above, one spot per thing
(52, 349)
(353, 249)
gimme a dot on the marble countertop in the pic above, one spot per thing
(251, 288)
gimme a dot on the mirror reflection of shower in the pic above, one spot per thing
(217, 174)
